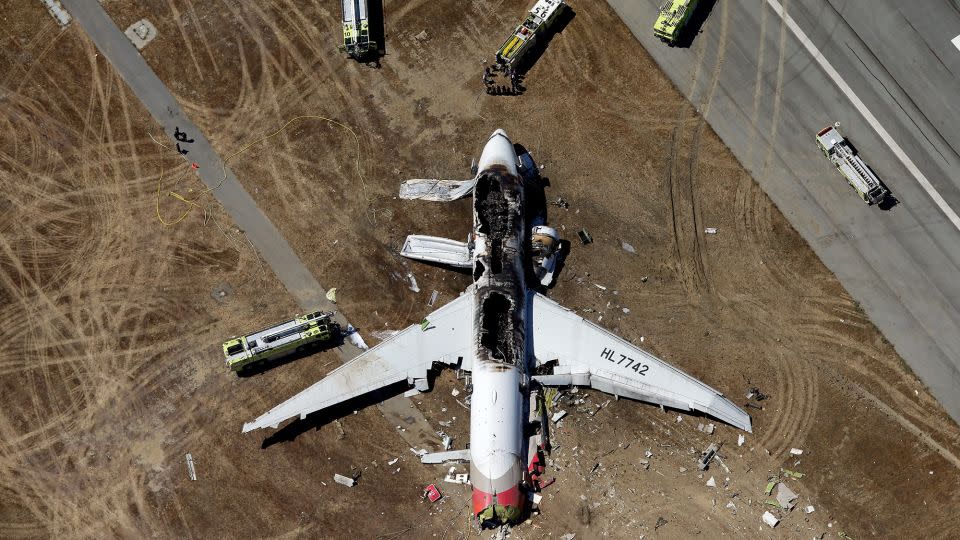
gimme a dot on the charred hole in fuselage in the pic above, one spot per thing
(478, 270)
(493, 213)
(495, 334)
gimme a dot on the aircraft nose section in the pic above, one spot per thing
(498, 151)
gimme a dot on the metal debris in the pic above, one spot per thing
(755, 393)
(770, 519)
(344, 480)
(332, 295)
(708, 429)
(796, 452)
(711, 482)
(433, 298)
(741, 439)
(809, 509)
(585, 237)
(627, 247)
(191, 471)
(557, 416)
(432, 493)
(413, 282)
(785, 496)
(710, 230)
(706, 456)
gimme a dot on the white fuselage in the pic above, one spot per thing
(497, 409)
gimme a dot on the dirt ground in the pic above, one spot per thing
(110, 369)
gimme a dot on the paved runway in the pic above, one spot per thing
(261, 232)
(766, 95)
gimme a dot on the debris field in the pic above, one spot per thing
(119, 418)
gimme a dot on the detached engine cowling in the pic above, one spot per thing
(544, 248)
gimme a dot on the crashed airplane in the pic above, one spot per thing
(512, 339)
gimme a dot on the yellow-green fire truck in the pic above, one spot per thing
(295, 335)
(356, 29)
(674, 15)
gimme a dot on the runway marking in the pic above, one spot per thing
(867, 115)
(956, 42)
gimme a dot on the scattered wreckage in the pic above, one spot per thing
(515, 342)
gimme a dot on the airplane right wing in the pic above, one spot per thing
(436, 190)
(587, 355)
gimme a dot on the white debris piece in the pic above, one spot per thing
(711, 482)
(462, 478)
(626, 310)
(648, 454)
(785, 496)
(433, 298)
(770, 519)
(344, 480)
(447, 442)
(413, 282)
(191, 471)
(741, 439)
(419, 452)
(796, 452)
(454, 392)
(332, 295)
(55, 9)
(732, 506)
(809, 509)
(536, 497)
(627, 247)
(558, 416)
(679, 419)
(356, 339)
(710, 230)
(568, 536)
(601, 287)
(392, 461)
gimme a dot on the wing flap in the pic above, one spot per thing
(437, 250)
(586, 353)
(429, 189)
(408, 355)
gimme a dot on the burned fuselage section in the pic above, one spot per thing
(500, 252)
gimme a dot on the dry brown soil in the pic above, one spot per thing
(109, 363)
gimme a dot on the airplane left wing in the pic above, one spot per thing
(587, 355)
(446, 337)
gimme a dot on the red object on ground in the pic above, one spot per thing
(194, 165)
(432, 493)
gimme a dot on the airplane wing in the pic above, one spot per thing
(437, 250)
(446, 337)
(587, 355)
(429, 189)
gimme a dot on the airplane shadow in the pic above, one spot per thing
(695, 24)
(378, 33)
(317, 420)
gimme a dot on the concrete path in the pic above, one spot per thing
(264, 236)
(767, 87)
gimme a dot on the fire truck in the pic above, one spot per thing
(513, 56)
(356, 29)
(295, 335)
(848, 162)
(674, 15)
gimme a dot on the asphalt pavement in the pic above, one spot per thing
(766, 88)
(263, 235)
